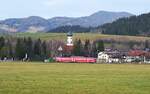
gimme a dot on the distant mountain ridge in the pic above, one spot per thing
(93, 20)
(35, 23)
(24, 24)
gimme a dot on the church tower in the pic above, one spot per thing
(69, 44)
(69, 39)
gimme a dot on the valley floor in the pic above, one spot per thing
(56, 78)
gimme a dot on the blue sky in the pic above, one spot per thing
(71, 8)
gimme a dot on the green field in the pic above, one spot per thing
(40, 78)
(82, 36)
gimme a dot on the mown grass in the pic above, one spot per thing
(82, 36)
(40, 78)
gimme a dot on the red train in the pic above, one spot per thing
(75, 59)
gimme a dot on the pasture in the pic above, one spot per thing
(57, 78)
(82, 36)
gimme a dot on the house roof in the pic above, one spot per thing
(68, 48)
(136, 53)
(147, 54)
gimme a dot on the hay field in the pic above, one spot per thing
(40, 78)
(82, 36)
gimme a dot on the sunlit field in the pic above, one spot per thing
(82, 36)
(55, 78)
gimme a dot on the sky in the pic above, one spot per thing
(69, 8)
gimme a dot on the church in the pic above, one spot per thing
(69, 44)
(67, 49)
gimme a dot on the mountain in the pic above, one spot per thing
(59, 21)
(32, 23)
(93, 20)
(35, 23)
(135, 25)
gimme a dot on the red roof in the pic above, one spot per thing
(147, 54)
(68, 48)
(136, 53)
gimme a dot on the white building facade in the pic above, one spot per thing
(103, 57)
(69, 39)
(106, 58)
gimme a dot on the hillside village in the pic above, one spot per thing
(72, 50)
(107, 55)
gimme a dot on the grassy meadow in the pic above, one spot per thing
(56, 78)
(82, 36)
(91, 36)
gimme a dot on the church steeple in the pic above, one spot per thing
(69, 39)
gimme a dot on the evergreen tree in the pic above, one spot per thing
(87, 48)
(37, 48)
(9, 49)
(147, 44)
(44, 49)
(100, 46)
(94, 49)
(78, 48)
(2, 42)
(29, 48)
(20, 49)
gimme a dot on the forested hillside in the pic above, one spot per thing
(135, 25)
(65, 29)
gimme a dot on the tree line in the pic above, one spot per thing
(68, 28)
(22, 48)
(88, 48)
(38, 50)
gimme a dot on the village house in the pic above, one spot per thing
(138, 56)
(147, 58)
(104, 57)
(135, 56)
